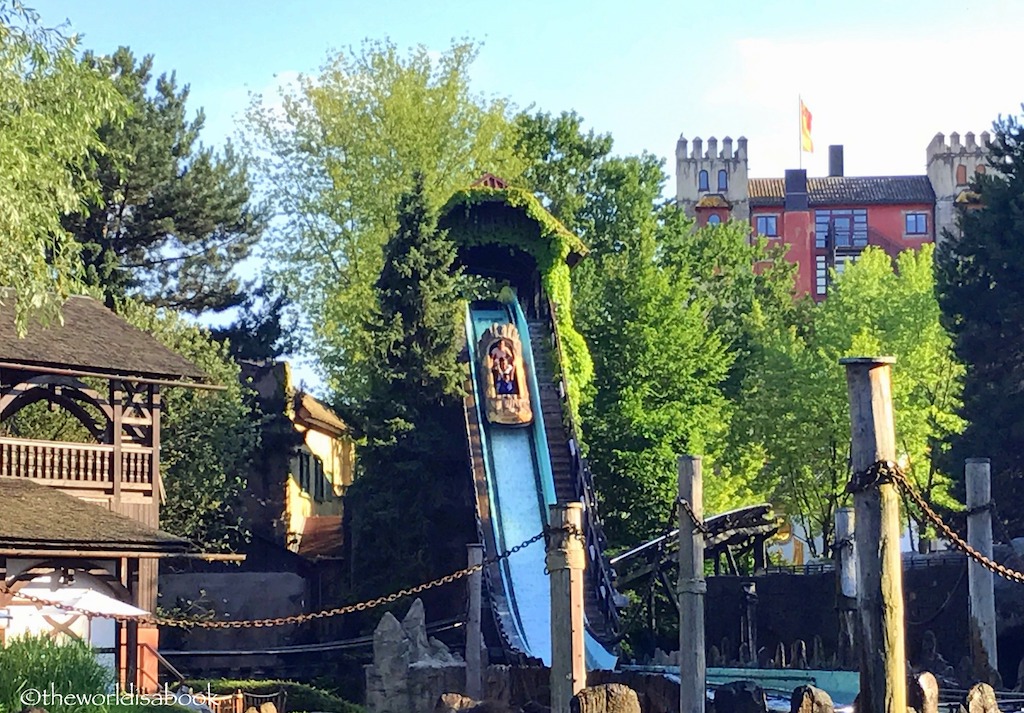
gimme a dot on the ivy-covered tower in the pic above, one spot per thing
(504, 233)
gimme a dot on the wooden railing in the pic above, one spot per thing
(600, 571)
(86, 465)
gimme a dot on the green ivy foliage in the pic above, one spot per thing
(527, 226)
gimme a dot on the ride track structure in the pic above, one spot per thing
(515, 487)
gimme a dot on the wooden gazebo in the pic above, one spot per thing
(103, 520)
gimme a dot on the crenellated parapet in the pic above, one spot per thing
(940, 147)
(952, 164)
(707, 168)
(695, 150)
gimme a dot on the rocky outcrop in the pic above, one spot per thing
(808, 699)
(410, 670)
(606, 698)
(740, 697)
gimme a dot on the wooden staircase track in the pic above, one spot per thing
(558, 450)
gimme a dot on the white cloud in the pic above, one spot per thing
(883, 98)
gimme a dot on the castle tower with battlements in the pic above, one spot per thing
(951, 167)
(712, 185)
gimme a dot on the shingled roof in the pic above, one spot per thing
(322, 537)
(318, 415)
(91, 338)
(40, 517)
(846, 190)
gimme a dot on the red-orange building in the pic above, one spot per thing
(828, 221)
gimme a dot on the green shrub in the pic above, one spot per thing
(301, 697)
(37, 663)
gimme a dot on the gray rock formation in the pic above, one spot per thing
(606, 698)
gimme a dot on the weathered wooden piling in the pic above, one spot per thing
(883, 685)
(846, 591)
(474, 636)
(565, 562)
(691, 588)
(979, 580)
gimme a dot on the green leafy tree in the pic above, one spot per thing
(611, 202)
(171, 218)
(208, 438)
(982, 298)
(46, 142)
(657, 362)
(562, 163)
(409, 512)
(802, 421)
(339, 150)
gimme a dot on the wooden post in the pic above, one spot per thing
(979, 579)
(132, 631)
(846, 553)
(474, 638)
(749, 622)
(846, 585)
(565, 561)
(154, 442)
(883, 667)
(117, 430)
(691, 588)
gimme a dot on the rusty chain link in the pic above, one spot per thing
(297, 618)
(698, 524)
(889, 472)
(569, 528)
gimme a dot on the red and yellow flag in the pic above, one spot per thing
(805, 129)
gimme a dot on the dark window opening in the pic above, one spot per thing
(917, 223)
(767, 225)
(702, 181)
(723, 180)
(850, 227)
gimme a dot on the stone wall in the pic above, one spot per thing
(691, 159)
(944, 161)
(410, 671)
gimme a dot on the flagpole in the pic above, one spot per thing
(800, 130)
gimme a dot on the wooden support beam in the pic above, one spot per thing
(474, 635)
(117, 429)
(979, 579)
(565, 562)
(846, 586)
(883, 663)
(692, 588)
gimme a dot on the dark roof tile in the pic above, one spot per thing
(91, 338)
(41, 517)
(321, 537)
(846, 190)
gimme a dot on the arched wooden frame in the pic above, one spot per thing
(135, 401)
(14, 403)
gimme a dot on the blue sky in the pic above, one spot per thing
(880, 76)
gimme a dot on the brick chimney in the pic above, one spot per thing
(796, 229)
(835, 160)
